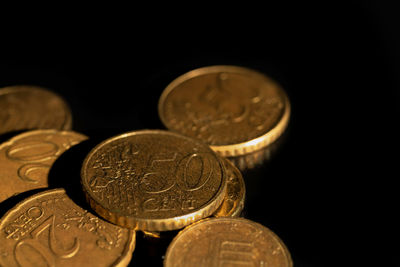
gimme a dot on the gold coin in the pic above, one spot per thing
(233, 109)
(227, 242)
(233, 203)
(32, 107)
(49, 229)
(25, 159)
(234, 199)
(153, 180)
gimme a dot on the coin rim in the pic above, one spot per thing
(67, 124)
(240, 203)
(241, 148)
(175, 240)
(124, 257)
(161, 224)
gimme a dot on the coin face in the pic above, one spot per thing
(31, 107)
(49, 229)
(235, 110)
(233, 203)
(227, 242)
(25, 160)
(153, 180)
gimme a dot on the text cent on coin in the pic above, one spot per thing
(227, 242)
(153, 180)
(49, 229)
(233, 109)
(25, 160)
(32, 107)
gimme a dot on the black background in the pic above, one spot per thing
(329, 191)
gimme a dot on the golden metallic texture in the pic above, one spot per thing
(31, 107)
(227, 242)
(233, 203)
(26, 159)
(233, 109)
(153, 180)
(49, 229)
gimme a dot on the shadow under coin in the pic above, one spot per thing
(9, 203)
(65, 171)
(7, 136)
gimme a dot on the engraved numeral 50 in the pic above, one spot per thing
(190, 174)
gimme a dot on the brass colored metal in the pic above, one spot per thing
(227, 242)
(25, 159)
(233, 109)
(49, 229)
(153, 180)
(32, 107)
(233, 203)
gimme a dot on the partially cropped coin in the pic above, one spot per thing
(25, 159)
(233, 203)
(227, 242)
(31, 107)
(233, 109)
(49, 229)
(153, 180)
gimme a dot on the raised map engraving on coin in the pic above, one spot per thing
(153, 180)
(233, 109)
(233, 203)
(25, 159)
(227, 242)
(31, 107)
(49, 229)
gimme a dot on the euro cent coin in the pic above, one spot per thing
(32, 107)
(235, 110)
(49, 229)
(26, 159)
(153, 180)
(227, 242)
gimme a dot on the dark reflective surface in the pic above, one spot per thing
(329, 190)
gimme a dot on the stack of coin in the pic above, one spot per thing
(153, 181)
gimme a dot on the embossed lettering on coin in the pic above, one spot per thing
(25, 160)
(233, 109)
(227, 242)
(48, 229)
(153, 180)
(32, 107)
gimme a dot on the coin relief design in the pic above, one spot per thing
(233, 203)
(235, 110)
(32, 107)
(227, 242)
(49, 229)
(153, 180)
(25, 159)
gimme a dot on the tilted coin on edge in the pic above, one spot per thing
(27, 107)
(235, 110)
(234, 200)
(49, 229)
(26, 159)
(153, 180)
(227, 242)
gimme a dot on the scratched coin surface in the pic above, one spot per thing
(26, 159)
(233, 109)
(32, 107)
(227, 242)
(233, 203)
(49, 229)
(153, 180)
